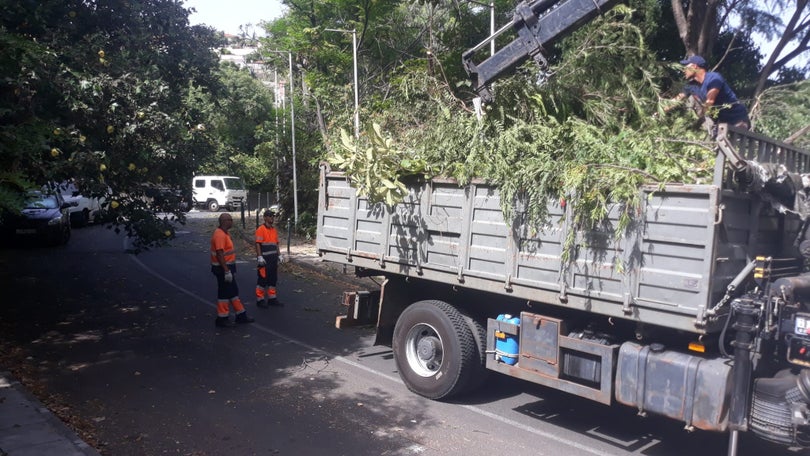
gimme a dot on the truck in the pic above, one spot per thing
(215, 192)
(699, 313)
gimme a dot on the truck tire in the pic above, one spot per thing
(212, 205)
(479, 372)
(434, 349)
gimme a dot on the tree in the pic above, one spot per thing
(701, 22)
(97, 91)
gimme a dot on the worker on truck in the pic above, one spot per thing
(720, 102)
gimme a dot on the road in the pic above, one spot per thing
(124, 348)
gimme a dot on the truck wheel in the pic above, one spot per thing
(434, 349)
(478, 374)
(213, 206)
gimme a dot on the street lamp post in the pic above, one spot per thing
(491, 5)
(356, 96)
(292, 135)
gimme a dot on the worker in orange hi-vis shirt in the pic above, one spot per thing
(267, 259)
(223, 266)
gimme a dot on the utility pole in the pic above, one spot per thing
(292, 135)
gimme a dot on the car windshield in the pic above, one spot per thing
(37, 200)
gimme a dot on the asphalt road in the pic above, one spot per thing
(124, 348)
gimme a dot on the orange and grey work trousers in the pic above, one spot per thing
(227, 293)
(267, 277)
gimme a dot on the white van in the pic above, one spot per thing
(214, 192)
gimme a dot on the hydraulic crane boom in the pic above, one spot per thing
(538, 24)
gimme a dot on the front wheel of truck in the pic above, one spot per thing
(435, 351)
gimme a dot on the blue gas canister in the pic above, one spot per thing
(506, 345)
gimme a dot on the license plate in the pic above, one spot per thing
(26, 231)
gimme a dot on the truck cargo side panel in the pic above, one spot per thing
(657, 272)
(676, 251)
(540, 251)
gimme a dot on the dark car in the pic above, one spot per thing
(167, 199)
(45, 217)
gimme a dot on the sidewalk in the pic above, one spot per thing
(28, 428)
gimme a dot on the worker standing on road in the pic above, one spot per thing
(223, 266)
(720, 102)
(267, 258)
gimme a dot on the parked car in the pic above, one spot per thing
(167, 199)
(45, 217)
(87, 208)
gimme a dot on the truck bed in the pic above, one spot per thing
(685, 246)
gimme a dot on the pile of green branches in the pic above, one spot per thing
(591, 132)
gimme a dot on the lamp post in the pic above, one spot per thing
(292, 135)
(356, 96)
(491, 7)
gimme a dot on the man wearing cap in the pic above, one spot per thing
(267, 258)
(719, 100)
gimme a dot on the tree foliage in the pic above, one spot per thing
(96, 91)
(584, 136)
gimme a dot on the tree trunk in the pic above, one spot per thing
(793, 29)
(697, 25)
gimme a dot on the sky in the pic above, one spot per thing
(228, 15)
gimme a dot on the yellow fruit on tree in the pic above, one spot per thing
(101, 54)
(131, 167)
(114, 204)
(110, 129)
(103, 167)
(55, 152)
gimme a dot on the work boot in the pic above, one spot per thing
(262, 304)
(243, 318)
(223, 322)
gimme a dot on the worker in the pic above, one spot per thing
(223, 266)
(267, 259)
(720, 102)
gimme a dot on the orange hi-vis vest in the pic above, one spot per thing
(267, 238)
(221, 240)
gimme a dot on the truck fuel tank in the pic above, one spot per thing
(677, 385)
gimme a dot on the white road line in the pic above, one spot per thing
(392, 378)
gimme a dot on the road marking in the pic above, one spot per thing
(472, 408)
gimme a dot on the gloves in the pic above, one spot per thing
(281, 259)
(260, 260)
(228, 277)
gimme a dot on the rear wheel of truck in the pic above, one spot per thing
(213, 206)
(479, 372)
(435, 350)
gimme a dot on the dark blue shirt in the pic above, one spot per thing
(731, 110)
